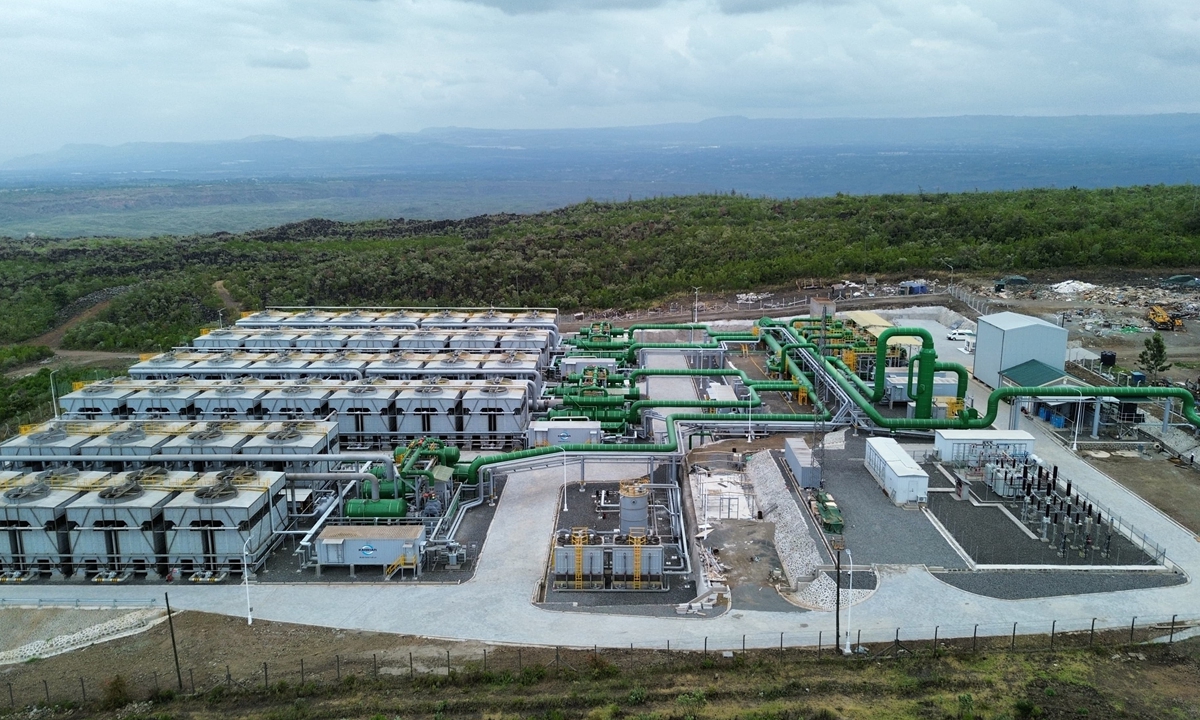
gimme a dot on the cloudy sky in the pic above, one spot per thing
(75, 71)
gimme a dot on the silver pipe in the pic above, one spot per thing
(360, 477)
(306, 541)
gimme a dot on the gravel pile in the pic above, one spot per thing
(122, 625)
(821, 594)
(796, 548)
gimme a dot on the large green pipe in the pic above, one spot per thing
(963, 376)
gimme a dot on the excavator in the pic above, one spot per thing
(1163, 320)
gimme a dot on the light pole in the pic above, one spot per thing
(695, 313)
(951, 272)
(53, 395)
(1078, 418)
(246, 578)
(564, 490)
(221, 318)
(849, 600)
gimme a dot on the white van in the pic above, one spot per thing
(960, 334)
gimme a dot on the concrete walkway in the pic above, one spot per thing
(495, 606)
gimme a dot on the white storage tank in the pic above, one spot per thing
(564, 431)
(966, 446)
(1006, 340)
(904, 481)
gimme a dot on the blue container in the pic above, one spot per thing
(1137, 379)
(1044, 412)
(1059, 421)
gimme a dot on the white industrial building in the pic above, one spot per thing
(904, 481)
(1008, 339)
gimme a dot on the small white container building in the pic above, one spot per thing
(562, 431)
(896, 472)
(966, 446)
(1005, 340)
(804, 466)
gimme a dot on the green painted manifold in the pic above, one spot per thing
(394, 508)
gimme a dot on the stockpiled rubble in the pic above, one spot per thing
(796, 548)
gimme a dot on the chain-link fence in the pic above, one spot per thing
(322, 670)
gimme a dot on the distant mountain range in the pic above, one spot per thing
(140, 189)
(522, 152)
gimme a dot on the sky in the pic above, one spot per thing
(82, 71)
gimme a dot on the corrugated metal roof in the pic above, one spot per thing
(1032, 373)
(1012, 321)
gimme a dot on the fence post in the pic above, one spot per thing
(1053, 626)
(743, 644)
(485, 657)
(1171, 640)
(337, 659)
(1092, 636)
(46, 687)
(412, 671)
(228, 679)
(521, 667)
(192, 679)
(556, 659)
(819, 634)
(975, 638)
(12, 701)
(705, 646)
(1131, 625)
(935, 632)
(447, 662)
(1013, 646)
(82, 689)
(266, 677)
(780, 646)
(301, 671)
(156, 688)
(375, 664)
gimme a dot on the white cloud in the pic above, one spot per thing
(81, 71)
(294, 59)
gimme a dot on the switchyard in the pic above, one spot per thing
(662, 469)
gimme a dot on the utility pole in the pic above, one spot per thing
(695, 313)
(838, 545)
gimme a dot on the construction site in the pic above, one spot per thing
(690, 479)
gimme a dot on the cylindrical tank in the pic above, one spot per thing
(635, 506)
(389, 489)
(397, 508)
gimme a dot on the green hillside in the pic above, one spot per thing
(590, 255)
